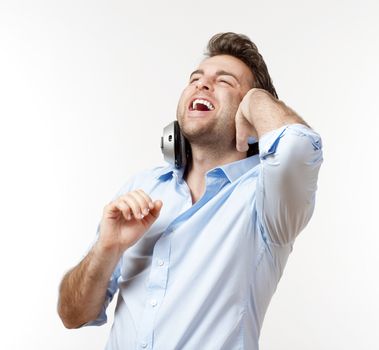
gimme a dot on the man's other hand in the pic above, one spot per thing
(258, 113)
(126, 219)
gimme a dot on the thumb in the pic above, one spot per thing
(153, 213)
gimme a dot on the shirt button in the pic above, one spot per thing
(153, 302)
(143, 345)
(160, 262)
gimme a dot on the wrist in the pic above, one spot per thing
(106, 253)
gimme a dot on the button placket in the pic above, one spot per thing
(156, 289)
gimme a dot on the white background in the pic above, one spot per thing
(85, 90)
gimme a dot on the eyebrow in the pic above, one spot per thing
(218, 73)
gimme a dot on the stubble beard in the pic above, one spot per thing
(218, 133)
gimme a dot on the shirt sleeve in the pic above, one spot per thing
(291, 157)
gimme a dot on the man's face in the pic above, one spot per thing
(208, 105)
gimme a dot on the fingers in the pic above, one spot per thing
(138, 202)
(244, 130)
(241, 143)
(254, 110)
(141, 203)
(147, 199)
(132, 205)
(261, 92)
(124, 208)
(135, 204)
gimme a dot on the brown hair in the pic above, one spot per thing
(241, 47)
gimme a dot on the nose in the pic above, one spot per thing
(203, 84)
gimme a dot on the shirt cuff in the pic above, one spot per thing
(268, 143)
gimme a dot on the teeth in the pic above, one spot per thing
(203, 102)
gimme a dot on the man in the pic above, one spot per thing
(197, 252)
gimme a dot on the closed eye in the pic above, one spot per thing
(225, 82)
(194, 78)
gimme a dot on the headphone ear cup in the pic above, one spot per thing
(181, 147)
(253, 149)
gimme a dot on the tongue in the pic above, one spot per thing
(201, 107)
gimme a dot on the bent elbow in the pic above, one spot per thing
(69, 318)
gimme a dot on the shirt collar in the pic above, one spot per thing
(166, 172)
(236, 169)
(231, 170)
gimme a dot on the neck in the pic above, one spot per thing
(203, 160)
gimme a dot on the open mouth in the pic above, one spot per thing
(201, 105)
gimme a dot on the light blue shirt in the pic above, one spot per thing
(203, 275)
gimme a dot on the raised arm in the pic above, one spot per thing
(291, 156)
(84, 288)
